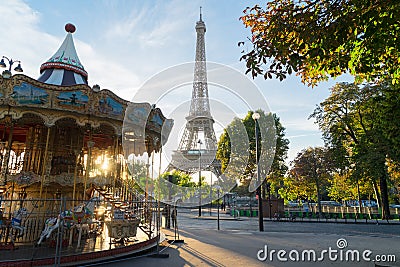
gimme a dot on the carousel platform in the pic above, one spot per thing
(93, 249)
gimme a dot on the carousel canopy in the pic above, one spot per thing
(64, 67)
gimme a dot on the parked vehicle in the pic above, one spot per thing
(330, 203)
(365, 203)
(293, 204)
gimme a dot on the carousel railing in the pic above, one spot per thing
(24, 220)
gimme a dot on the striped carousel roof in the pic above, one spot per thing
(64, 67)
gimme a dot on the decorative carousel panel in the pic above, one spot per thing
(166, 130)
(101, 180)
(133, 131)
(25, 178)
(156, 120)
(136, 114)
(65, 179)
(122, 228)
(5, 87)
(109, 106)
(29, 95)
(72, 100)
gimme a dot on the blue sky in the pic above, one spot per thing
(121, 44)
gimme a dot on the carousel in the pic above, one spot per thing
(62, 159)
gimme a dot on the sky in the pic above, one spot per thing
(122, 44)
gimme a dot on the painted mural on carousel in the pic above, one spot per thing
(28, 94)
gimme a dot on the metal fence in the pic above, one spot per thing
(62, 226)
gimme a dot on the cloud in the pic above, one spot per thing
(26, 42)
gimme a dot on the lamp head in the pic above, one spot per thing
(2, 63)
(18, 68)
(6, 74)
(255, 116)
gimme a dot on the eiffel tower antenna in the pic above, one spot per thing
(198, 141)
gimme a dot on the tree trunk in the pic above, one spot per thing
(359, 196)
(377, 195)
(384, 197)
(318, 198)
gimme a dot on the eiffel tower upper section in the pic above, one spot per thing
(199, 135)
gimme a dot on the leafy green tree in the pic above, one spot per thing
(345, 186)
(278, 166)
(351, 120)
(310, 173)
(180, 178)
(297, 187)
(319, 39)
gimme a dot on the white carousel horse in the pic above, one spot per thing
(15, 221)
(81, 214)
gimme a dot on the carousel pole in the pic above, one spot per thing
(90, 144)
(115, 151)
(7, 156)
(46, 151)
(158, 225)
(152, 177)
(158, 203)
(9, 146)
(75, 176)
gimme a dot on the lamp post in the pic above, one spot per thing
(256, 117)
(218, 189)
(7, 73)
(200, 143)
(210, 192)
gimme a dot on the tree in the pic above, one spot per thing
(180, 178)
(351, 120)
(311, 171)
(319, 39)
(278, 166)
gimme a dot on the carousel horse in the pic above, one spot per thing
(82, 214)
(15, 221)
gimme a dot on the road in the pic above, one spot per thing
(238, 243)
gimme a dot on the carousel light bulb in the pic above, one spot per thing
(104, 166)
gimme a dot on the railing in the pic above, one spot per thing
(34, 213)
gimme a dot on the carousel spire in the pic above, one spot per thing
(64, 67)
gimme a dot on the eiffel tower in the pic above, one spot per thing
(198, 146)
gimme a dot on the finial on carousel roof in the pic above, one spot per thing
(64, 67)
(69, 27)
(201, 19)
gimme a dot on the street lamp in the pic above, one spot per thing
(7, 73)
(210, 192)
(200, 143)
(256, 117)
(218, 189)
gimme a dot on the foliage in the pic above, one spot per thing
(353, 121)
(278, 167)
(319, 39)
(180, 178)
(308, 176)
(343, 187)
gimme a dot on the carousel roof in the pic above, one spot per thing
(64, 67)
